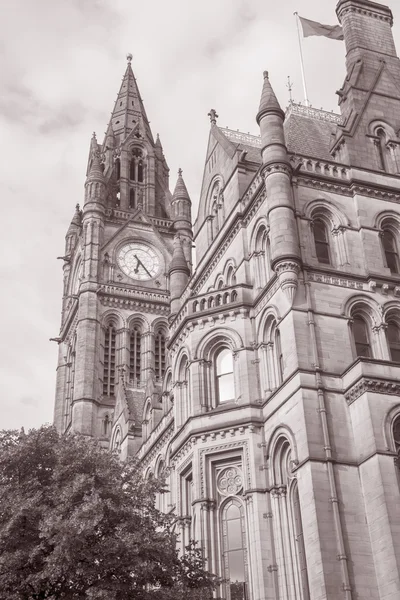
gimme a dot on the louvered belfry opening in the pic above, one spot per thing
(109, 361)
(135, 356)
(159, 358)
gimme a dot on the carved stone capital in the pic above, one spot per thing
(377, 386)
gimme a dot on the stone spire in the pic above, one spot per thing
(95, 183)
(269, 102)
(179, 273)
(181, 206)
(277, 173)
(129, 108)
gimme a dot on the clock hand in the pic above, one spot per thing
(140, 262)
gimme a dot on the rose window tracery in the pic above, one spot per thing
(230, 481)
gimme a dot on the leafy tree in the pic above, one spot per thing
(77, 523)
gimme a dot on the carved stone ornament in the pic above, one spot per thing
(288, 273)
(376, 386)
(230, 481)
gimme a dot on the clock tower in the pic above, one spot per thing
(125, 249)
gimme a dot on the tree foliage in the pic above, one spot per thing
(77, 523)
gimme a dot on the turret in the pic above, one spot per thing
(277, 172)
(179, 273)
(73, 230)
(181, 207)
(95, 186)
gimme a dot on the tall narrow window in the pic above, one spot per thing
(381, 145)
(224, 376)
(159, 352)
(132, 198)
(390, 249)
(135, 356)
(233, 534)
(140, 171)
(396, 437)
(393, 337)
(278, 354)
(118, 168)
(132, 170)
(321, 240)
(299, 540)
(361, 337)
(109, 362)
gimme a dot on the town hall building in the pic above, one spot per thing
(264, 383)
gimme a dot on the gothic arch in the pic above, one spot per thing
(183, 351)
(214, 338)
(279, 434)
(260, 225)
(76, 272)
(138, 320)
(217, 179)
(113, 317)
(271, 312)
(388, 422)
(364, 305)
(160, 323)
(328, 210)
(387, 216)
(377, 124)
(116, 439)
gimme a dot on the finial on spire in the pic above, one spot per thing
(129, 57)
(266, 75)
(213, 116)
(94, 135)
(180, 172)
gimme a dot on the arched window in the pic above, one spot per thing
(390, 250)
(288, 529)
(109, 361)
(70, 381)
(132, 174)
(146, 423)
(135, 355)
(118, 168)
(117, 441)
(361, 337)
(106, 425)
(262, 258)
(272, 363)
(381, 145)
(396, 438)
(276, 336)
(132, 198)
(393, 337)
(299, 538)
(225, 384)
(140, 171)
(159, 354)
(234, 549)
(184, 388)
(321, 239)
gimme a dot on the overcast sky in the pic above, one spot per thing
(61, 64)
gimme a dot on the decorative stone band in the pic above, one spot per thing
(377, 386)
(368, 13)
(277, 168)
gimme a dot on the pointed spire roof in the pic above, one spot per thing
(269, 102)
(180, 191)
(77, 218)
(178, 262)
(128, 109)
(95, 170)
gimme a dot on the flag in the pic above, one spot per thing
(334, 32)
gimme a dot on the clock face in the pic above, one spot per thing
(138, 261)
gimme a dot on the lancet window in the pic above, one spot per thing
(272, 359)
(159, 354)
(136, 166)
(393, 338)
(135, 353)
(224, 375)
(390, 249)
(109, 370)
(361, 336)
(396, 438)
(321, 240)
(288, 528)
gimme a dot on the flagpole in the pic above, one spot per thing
(303, 74)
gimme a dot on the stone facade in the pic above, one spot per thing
(265, 385)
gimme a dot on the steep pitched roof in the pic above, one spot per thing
(129, 108)
(310, 131)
